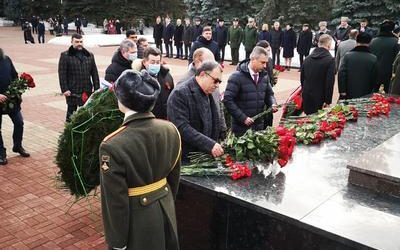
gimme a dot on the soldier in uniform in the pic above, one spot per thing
(140, 167)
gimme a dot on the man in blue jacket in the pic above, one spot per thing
(249, 93)
(7, 75)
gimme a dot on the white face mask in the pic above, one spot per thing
(132, 56)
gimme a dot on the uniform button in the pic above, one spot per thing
(144, 200)
(166, 189)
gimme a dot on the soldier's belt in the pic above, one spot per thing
(137, 191)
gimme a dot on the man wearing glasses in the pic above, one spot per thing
(249, 93)
(193, 110)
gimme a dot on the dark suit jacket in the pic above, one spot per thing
(186, 108)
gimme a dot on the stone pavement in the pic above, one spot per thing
(34, 210)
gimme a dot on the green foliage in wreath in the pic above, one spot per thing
(78, 145)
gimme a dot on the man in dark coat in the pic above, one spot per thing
(168, 34)
(193, 111)
(395, 85)
(152, 64)
(289, 44)
(122, 60)
(35, 22)
(41, 31)
(205, 41)
(250, 36)
(385, 46)
(65, 25)
(197, 29)
(342, 32)
(139, 171)
(158, 33)
(78, 25)
(358, 70)
(199, 56)
(7, 75)
(276, 43)
(322, 30)
(235, 38)
(304, 43)
(364, 28)
(188, 34)
(221, 37)
(249, 93)
(178, 39)
(77, 73)
(141, 45)
(318, 77)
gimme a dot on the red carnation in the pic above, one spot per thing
(84, 97)
(282, 162)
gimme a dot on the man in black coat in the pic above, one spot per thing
(205, 41)
(276, 43)
(364, 28)
(122, 60)
(385, 46)
(78, 25)
(304, 43)
(178, 39)
(318, 77)
(358, 70)
(197, 29)
(41, 31)
(192, 109)
(168, 34)
(188, 34)
(342, 32)
(158, 33)
(7, 75)
(221, 37)
(152, 64)
(77, 73)
(249, 93)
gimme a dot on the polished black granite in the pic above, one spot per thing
(311, 194)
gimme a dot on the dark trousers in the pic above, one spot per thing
(276, 53)
(187, 49)
(18, 121)
(70, 110)
(248, 52)
(41, 38)
(168, 48)
(222, 52)
(235, 55)
(34, 29)
(179, 50)
(78, 30)
(302, 57)
(159, 45)
(66, 30)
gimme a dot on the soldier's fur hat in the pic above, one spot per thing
(137, 91)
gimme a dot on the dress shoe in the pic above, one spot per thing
(21, 151)
(3, 160)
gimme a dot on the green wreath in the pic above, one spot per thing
(78, 146)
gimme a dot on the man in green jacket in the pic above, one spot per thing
(235, 38)
(250, 37)
(385, 46)
(139, 171)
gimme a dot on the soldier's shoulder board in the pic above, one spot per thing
(108, 137)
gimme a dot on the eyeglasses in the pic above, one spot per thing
(216, 80)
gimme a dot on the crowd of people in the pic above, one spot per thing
(143, 157)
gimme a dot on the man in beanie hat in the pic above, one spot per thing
(385, 46)
(358, 70)
(139, 171)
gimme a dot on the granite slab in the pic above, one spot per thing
(310, 186)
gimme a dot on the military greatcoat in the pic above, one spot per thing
(137, 204)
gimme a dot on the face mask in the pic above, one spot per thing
(132, 56)
(153, 69)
